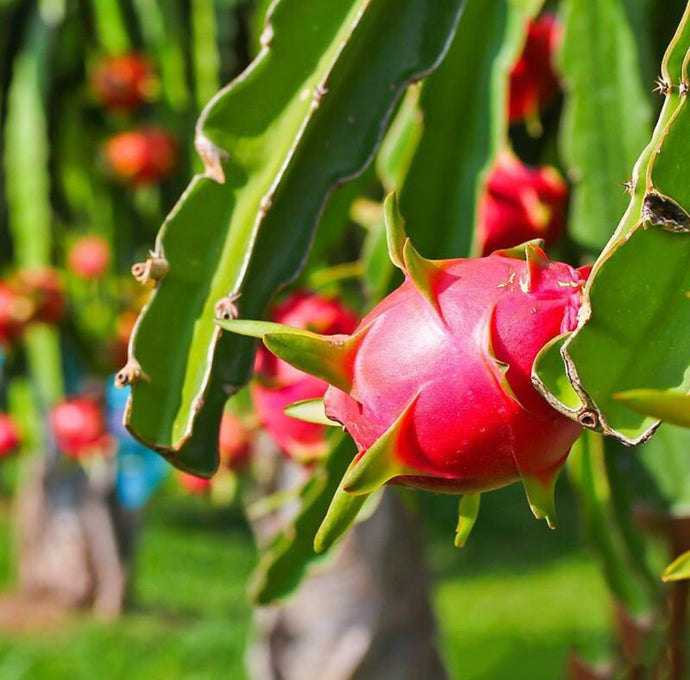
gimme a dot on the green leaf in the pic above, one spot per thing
(607, 115)
(468, 511)
(26, 163)
(310, 411)
(634, 325)
(679, 569)
(284, 562)
(672, 407)
(307, 114)
(607, 518)
(463, 115)
(325, 356)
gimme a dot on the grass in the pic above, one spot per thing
(510, 605)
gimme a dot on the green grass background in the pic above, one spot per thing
(510, 605)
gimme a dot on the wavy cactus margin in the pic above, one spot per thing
(634, 327)
(306, 115)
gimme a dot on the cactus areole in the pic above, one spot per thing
(434, 385)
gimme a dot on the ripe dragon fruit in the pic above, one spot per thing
(9, 435)
(520, 203)
(533, 81)
(278, 384)
(123, 83)
(141, 157)
(435, 383)
(79, 428)
(234, 442)
(89, 257)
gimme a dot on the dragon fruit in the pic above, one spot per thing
(124, 82)
(278, 384)
(79, 428)
(234, 442)
(435, 383)
(141, 157)
(520, 203)
(89, 257)
(9, 435)
(533, 80)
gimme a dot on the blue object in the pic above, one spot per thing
(140, 471)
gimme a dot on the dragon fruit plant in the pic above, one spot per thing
(434, 384)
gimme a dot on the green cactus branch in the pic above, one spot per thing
(306, 115)
(634, 330)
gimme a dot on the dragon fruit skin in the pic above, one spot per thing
(520, 203)
(533, 80)
(279, 384)
(473, 421)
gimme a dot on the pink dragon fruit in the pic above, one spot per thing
(533, 80)
(279, 385)
(435, 383)
(520, 203)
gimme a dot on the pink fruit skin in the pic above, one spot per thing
(196, 486)
(141, 157)
(279, 385)
(465, 433)
(520, 203)
(533, 81)
(79, 428)
(89, 257)
(123, 83)
(9, 435)
(234, 442)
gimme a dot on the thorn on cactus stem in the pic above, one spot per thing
(130, 374)
(226, 308)
(683, 89)
(662, 86)
(629, 186)
(154, 269)
(212, 156)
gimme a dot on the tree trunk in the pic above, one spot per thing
(74, 542)
(362, 614)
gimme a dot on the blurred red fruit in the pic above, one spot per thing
(533, 81)
(234, 442)
(79, 428)
(9, 435)
(15, 313)
(123, 83)
(43, 287)
(89, 257)
(520, 203)
(279, 385)
(194, 485)
(141, 156)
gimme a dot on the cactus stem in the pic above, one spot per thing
(226, 307)
(154, 269)
(130, 374)
(588, 419)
